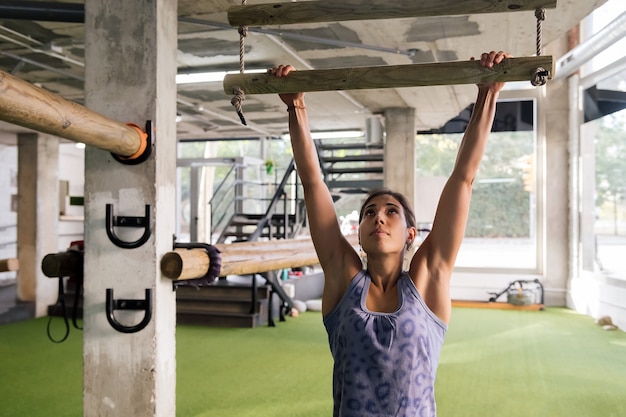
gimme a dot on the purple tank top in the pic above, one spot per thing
(384, 363)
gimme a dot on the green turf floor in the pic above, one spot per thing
(494, 363)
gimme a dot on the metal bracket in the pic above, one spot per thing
(112, 305)
(215, 263)
(127, 221)
(146, 153)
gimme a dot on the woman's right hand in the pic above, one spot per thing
(290, 99)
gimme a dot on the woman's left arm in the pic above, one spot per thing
(432, 264)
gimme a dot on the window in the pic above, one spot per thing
(502, 225)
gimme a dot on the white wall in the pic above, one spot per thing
(8, 217)
(597, 296)
(72, 170)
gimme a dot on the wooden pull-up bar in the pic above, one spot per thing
(10, 264)
(335, 11)
(394, 76)
(24, 104)
(242, 258)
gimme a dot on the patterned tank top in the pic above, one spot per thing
(384, 363)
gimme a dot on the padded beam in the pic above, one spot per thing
(336, 11)
(243, 258)
(394, 76)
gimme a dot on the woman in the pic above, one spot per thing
(386, 326)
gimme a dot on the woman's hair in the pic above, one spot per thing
(408, 211)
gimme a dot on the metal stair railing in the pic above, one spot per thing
(265, 221)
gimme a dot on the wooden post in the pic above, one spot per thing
(393, 76)
(335, 11)
(29, 106)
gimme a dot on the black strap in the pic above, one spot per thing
(61, 303)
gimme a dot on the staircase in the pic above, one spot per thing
(282, 216)
(12, 310)
(351, 166)
(230, 302)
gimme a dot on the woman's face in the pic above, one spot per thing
(383, 228)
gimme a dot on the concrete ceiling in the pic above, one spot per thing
(51, 54)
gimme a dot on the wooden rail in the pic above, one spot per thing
(393, 76)
(27, 105)
(10, 264)
(336, 11)
(242, 258)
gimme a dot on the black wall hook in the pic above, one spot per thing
(127, 221)
(112, 305)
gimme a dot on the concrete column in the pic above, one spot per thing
(399, 165)
(130, 76)
(38, 216)
(554, 121)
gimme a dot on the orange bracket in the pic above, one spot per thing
(145, 146)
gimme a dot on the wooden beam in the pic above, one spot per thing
(27, 105)
(183, 264)
(10, 264)
(393, 76)
(336, 11)
(243, 258)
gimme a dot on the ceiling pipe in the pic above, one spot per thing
(574, 59)
(47, 11)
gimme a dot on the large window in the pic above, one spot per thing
(603, 147)
(610, 190)
(502, 224)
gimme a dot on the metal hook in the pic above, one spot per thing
(127, 221)
(112, 305)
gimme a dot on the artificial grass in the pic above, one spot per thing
(531, 363)
(494, 363)
(263, 372)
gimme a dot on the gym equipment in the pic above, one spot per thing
(442, 73)
(522, 293)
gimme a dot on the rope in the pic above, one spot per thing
(540, 75)
(239, 95)
(540, 14)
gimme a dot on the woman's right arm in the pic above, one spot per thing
(338, 259)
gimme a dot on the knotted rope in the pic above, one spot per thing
(540, 75)
(239, 95)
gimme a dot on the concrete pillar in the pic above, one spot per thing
(399, 165)
(554, 121)
(38, 216)
(130, 76)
